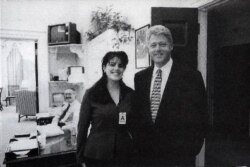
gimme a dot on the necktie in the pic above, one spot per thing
(156, 95)
(64, 113)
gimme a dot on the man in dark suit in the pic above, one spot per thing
(169, 121)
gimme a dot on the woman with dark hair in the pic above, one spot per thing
(106, 106)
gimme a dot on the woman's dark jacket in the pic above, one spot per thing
(107, 140)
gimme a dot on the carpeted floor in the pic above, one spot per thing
(9, 126)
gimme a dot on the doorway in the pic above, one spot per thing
(228, 65)
(228, 143)
(231, 96)
(18, 67)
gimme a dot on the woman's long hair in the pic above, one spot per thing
(99, 90)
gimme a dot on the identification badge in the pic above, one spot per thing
(122, 118)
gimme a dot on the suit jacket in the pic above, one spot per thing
(180, 125)
(107, 140)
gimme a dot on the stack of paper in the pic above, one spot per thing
(23, 144)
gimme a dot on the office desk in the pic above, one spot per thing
(60, 151)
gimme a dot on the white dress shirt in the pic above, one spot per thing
(165, 74)
(71, 118)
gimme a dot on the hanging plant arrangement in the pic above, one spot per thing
(104, 19)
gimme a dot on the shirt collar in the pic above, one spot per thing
(72, 103)
(75, 101)
(164, 68)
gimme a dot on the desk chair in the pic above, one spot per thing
(1, 106)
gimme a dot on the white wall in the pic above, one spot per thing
(38, 14)
(1, 65)
(202, 45)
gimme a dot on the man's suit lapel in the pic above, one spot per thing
(168, 91)
(148, 81)
(148, 77)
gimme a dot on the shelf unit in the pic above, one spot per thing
(60, 57)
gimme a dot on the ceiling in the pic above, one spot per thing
(203, 3)
(196, 3)
(187, 3)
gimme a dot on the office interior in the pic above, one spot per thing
(220, 48)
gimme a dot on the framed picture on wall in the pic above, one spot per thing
(142, 58)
